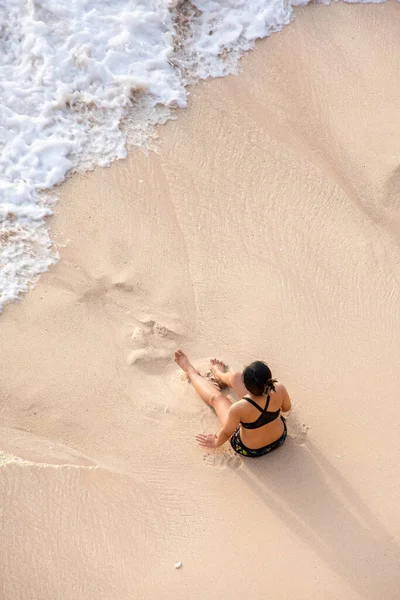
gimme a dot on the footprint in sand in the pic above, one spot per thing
(103, 286)
(150, 341)
(223, 459)
(298, 432)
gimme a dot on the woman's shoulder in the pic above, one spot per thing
(282, 397)
(242, 403)
(241, 406)
(280, 387)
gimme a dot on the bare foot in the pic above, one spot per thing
(182, 360)
(218, 367)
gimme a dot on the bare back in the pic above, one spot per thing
(256, 438)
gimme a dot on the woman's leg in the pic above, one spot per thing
(227, 378)
(206, 390)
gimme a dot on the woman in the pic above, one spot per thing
(254, 425)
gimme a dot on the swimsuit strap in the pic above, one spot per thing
(253, 403)
(262, 410)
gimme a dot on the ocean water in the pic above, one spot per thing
(82, 79)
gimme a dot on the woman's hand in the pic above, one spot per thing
(207, 440)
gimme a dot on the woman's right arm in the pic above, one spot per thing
(286, 402)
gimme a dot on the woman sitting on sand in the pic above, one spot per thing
(254, 425)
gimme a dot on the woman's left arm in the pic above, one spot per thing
(214, 440)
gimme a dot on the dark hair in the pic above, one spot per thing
(257, 378)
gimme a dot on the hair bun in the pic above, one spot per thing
(270, 385)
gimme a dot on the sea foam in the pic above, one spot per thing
(79, 79)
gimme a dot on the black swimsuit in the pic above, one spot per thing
(265, 418)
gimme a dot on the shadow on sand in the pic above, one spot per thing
(311, 497)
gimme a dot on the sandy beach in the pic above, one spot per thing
(266, 226)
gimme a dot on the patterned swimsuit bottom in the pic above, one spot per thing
(240, 448)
